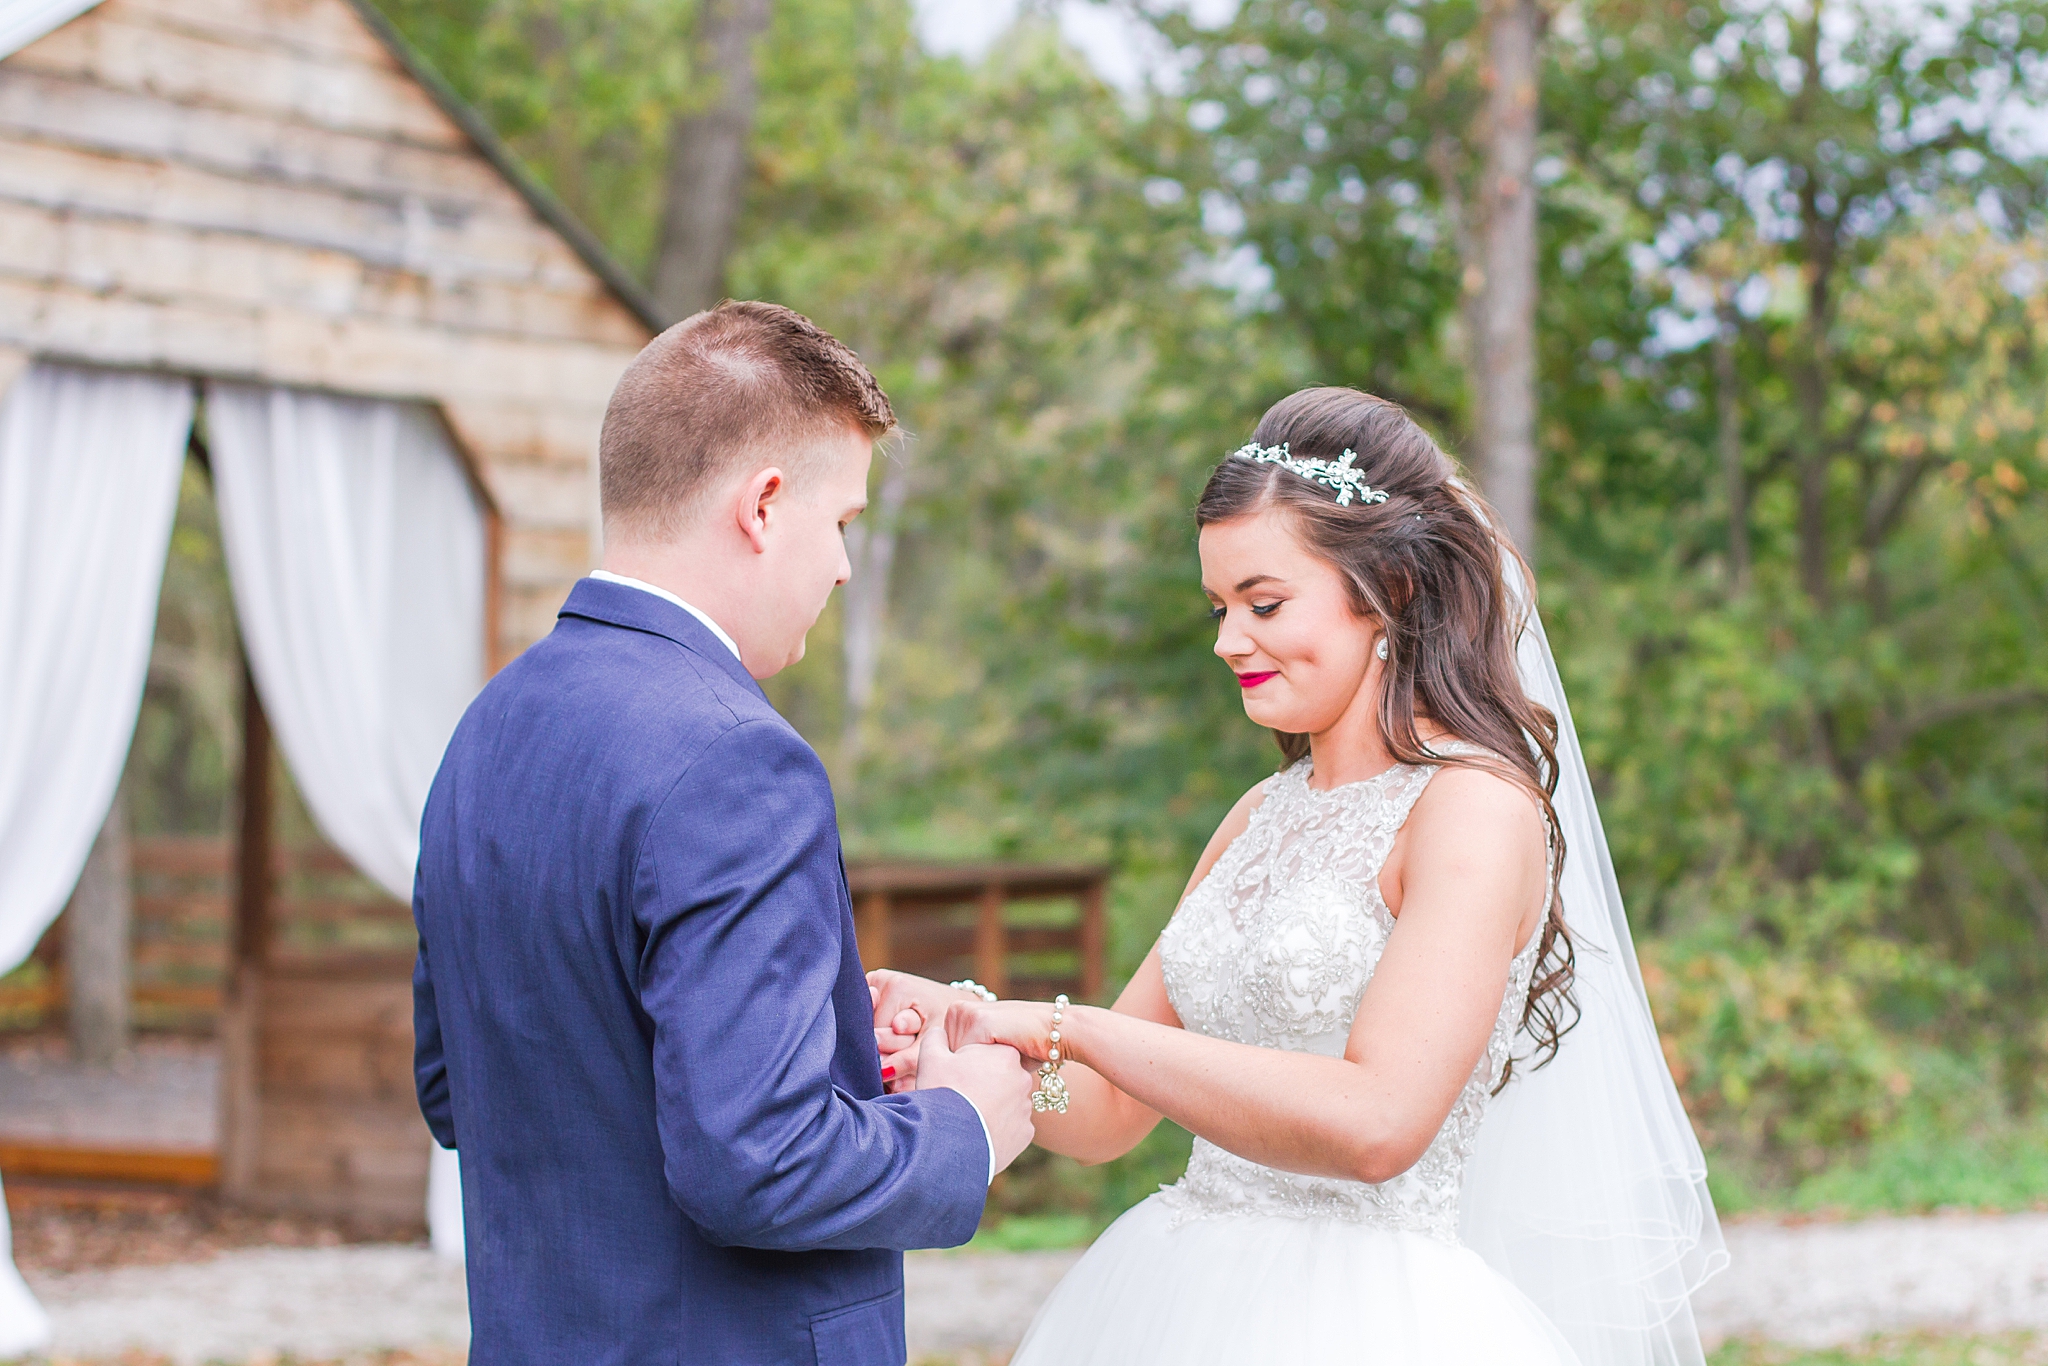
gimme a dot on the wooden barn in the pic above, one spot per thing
(259, 234)
(273, 204)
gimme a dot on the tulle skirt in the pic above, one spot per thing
(1249, 1290)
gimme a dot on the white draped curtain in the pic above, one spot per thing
(355, 546)
(89, 469)
(356, 552)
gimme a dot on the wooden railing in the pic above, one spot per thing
(1022, 930)
(184, 896)
(1018, 929)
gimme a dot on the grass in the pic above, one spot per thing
(2012, 1349)
(1921, 1165)
(1908, 1349)
(1926, 1163)
(1037, 1233)
(2005, 1169)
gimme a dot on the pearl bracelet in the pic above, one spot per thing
(969, 984)
(1052, 1087)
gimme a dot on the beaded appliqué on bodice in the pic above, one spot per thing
(1275, 949)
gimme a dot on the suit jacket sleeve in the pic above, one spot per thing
(736, 892)
(429, 1057)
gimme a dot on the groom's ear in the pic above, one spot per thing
(754, 505)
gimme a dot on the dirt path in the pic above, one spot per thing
(1812, 1285)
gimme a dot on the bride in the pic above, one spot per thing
(1397, 1005)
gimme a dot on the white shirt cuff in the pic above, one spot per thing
(986, 1137)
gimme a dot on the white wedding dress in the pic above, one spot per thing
(1244, 1264)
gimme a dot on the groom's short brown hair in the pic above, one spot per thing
(714, 387)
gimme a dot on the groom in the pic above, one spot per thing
(641, 1018)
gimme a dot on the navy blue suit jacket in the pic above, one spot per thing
(641, 1019)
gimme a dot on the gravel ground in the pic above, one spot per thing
(975, 1305)
(320, 1303)
(1808, 1284)
(1818, 1285)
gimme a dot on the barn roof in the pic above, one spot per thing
(24, 21)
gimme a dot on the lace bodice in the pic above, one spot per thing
(1275, 949)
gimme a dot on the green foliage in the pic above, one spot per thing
(1046, 1201)
(188, 736)
(583, 90)
(1036, 1233)
(1906, 1349)
(1794, 289)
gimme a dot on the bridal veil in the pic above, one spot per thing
(1587, 1188)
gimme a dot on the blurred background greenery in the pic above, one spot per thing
(1792, 534)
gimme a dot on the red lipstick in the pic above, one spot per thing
(1250, 681)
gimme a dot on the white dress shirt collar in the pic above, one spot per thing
(664, 594)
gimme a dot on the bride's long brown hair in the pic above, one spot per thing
(1427, 564)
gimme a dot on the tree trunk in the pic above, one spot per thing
(707, 166)
(98, 927)
(1504, 340)
(1811, 379)
(871, 545)
(1728, 438)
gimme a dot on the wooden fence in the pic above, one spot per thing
(1018, 929)
(184, 904)
(1023, 930)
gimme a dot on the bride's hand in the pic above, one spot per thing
(1024, 1025)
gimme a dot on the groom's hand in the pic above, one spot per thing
(904, 1005)
(995, 1081)
(905, 999)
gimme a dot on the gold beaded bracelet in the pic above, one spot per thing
(1052, 1087)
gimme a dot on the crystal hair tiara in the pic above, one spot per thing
(1336, 475)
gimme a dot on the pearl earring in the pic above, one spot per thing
(1381, 648)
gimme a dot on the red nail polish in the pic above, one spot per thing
(888, 1074)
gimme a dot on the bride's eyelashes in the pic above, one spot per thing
(1264, 609)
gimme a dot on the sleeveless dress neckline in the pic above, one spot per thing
(1242, 1263)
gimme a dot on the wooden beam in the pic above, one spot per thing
(141, 1166)
(1094, 936)
(253, 853)
(992, 942)
(495, 654)
(963, 882)
(242, 1011)
(871, 929)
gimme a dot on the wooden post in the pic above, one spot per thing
(494, 592)
(1094, 938)
(97, 933)
(252, 862)
(871, 929)
(241, 1014)
(992, 942)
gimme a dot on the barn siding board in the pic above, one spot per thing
(398, 230)
(545, 497)
(345, 353)
(315, 28)
(85, 114)
(528, 432)
(529, 614)
(169, 263)
(261, 190)
(180, 67)
(537, 557)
